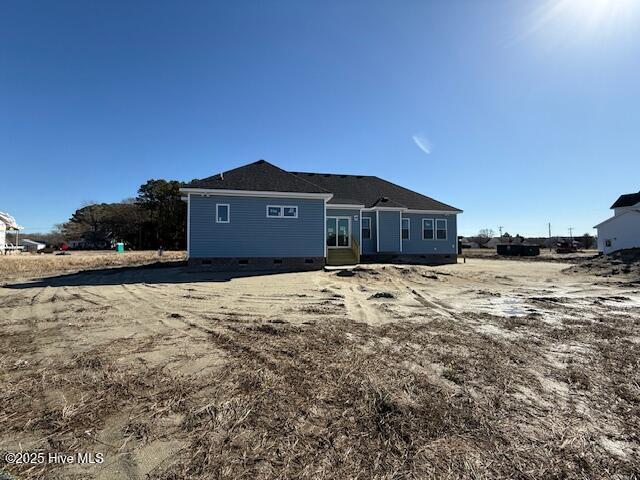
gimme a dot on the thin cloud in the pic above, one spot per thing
(423, 143)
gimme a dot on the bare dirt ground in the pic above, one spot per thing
(489, 369)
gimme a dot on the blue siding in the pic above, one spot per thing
(250, 233)
(416, 244)
(369, 246)
(389, 231)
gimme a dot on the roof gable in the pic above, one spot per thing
(628, 200)
(617, 217)
(260, 176)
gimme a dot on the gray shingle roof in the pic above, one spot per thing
(259, 176)
(628, 200)
(364, 190)
(370, 191)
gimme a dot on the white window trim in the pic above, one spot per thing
(362, 219)
(408, 220)
(433, 228)
(228, 212)
(282, 208)
(446, 229)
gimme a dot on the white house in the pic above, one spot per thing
(7, 222)
(623, 229)
(32, 245)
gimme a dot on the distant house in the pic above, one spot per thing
(493, 243)
(32, 246)
(623, 229)
(262, 216)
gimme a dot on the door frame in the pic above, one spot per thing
(337, 218)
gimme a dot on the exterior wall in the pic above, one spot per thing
(623, 231)
(621, 210)
(250, 233)
(389, 231)
(353, 214)
(416, 245)
(3, 237)
(369, 246)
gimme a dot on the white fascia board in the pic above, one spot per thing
(385, 209)
(344, 206)
(255, 193)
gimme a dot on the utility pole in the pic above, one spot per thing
(550, 242)
(500, 228)
(571, 232)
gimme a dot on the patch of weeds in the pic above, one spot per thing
(268, 329)
(137, 430)
(382, 295)
(578, 378)
(454, 373)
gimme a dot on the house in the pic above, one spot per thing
(623, 229)
(32, 246)
(8, 223)
(262, 216)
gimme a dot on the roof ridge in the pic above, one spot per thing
(293, 175)
(333, 174)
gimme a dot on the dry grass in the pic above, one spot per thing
(329, 397)
(24, 266)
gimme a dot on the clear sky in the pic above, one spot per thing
(518, 112)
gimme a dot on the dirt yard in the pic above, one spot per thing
(487, 369)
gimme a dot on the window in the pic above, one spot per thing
(274, 211)
(222, 213)
(281, 211)
(290, 212)
(441, 229)
(366, 228)
(427, 229)
(405, 228)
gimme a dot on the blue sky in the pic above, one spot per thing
(530, 110)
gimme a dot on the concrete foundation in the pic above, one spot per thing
(238, 264)
(426, 259)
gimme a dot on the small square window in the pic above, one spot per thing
(290, 211)
(222, 213)
(274, 211)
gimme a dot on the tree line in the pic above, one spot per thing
(155, 218)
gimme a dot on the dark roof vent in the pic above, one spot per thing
(384, 199)
(260, 162)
